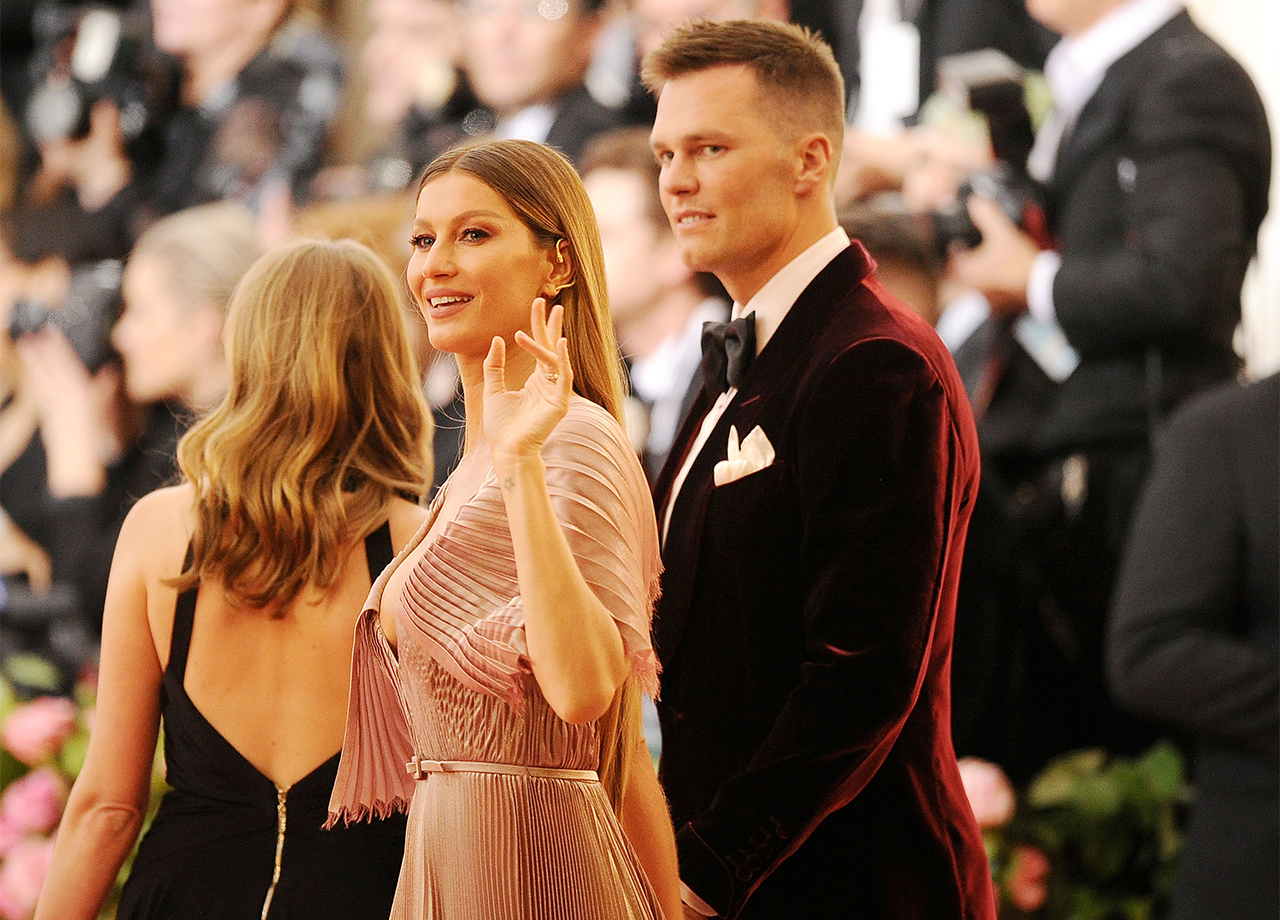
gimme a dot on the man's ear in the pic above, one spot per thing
(813, 162)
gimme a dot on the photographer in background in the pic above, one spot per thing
(260, 85)
(1155, 164)
(95, 116)
(101, 424)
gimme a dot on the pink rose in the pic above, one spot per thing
(10, 834)
(1029, 878)
(989, 790)
(34, 803)
(22, 876)
(36, 731)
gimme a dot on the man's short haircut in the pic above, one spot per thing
(796, 70)
(627, 150)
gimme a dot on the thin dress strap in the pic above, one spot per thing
(184, 615)
(377, 550)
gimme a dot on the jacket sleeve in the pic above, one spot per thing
(879, 475)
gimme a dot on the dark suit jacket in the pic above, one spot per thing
(1156, 199)
(806, 621)
(579, 118)
(1194, 638)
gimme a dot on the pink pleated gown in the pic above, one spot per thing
(488, 839)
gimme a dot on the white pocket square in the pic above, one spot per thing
(755, 453)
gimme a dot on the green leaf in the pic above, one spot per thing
(33, 671)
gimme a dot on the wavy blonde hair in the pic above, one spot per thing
(546, 193)
(324, 422)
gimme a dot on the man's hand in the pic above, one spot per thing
(1000, 265)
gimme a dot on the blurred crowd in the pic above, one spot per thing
(1069, 190)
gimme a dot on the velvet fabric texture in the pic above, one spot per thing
(806, 621)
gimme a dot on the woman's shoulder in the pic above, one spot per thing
(405, 518)
(157, 528)
(586, 419)
(162, 509)
(590, 436)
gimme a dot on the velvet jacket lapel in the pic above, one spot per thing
(766, 391)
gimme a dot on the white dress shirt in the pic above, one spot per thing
(771, 305)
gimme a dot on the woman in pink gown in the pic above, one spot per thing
(499, 660)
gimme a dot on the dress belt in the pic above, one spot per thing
(419, 767)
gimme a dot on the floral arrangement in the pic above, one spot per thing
(1092, 837)
(43, 740)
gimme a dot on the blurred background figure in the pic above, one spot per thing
(1153, 171)
(416, 102)
(895, 51)
(906, 261)
(1194, 635)
(260, 84)
(527, 61)
(657, 303)
(90, 428)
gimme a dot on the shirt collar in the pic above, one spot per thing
(772, 302)
(1076, 65)
(532, 123)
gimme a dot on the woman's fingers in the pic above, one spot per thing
(544, 354)
(555, 323)
(564, 381)
(495, 366)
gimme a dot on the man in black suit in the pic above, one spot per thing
(527, 62)
(1193, 638)
(1156, 163)
(811, 565)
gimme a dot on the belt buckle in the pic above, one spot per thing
(415, 765)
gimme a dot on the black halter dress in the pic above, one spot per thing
(227, 844)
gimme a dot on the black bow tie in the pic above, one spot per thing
(727, 352)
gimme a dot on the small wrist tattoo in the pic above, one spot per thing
(508, 483)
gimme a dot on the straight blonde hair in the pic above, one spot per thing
(546, 193)
(323, 423)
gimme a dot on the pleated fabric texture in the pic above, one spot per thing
(494, 846)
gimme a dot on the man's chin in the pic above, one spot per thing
(697, 258)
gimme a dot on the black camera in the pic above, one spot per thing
(86, 316)
(87, 54)
(990, 83)
(1015, 193)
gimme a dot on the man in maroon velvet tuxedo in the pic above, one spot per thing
(813, 516)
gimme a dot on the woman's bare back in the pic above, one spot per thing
(272, 682)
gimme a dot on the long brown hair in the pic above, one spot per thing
(324, 422)
(545, 192)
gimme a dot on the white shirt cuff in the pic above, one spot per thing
(1044, 268)
(692, 900)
